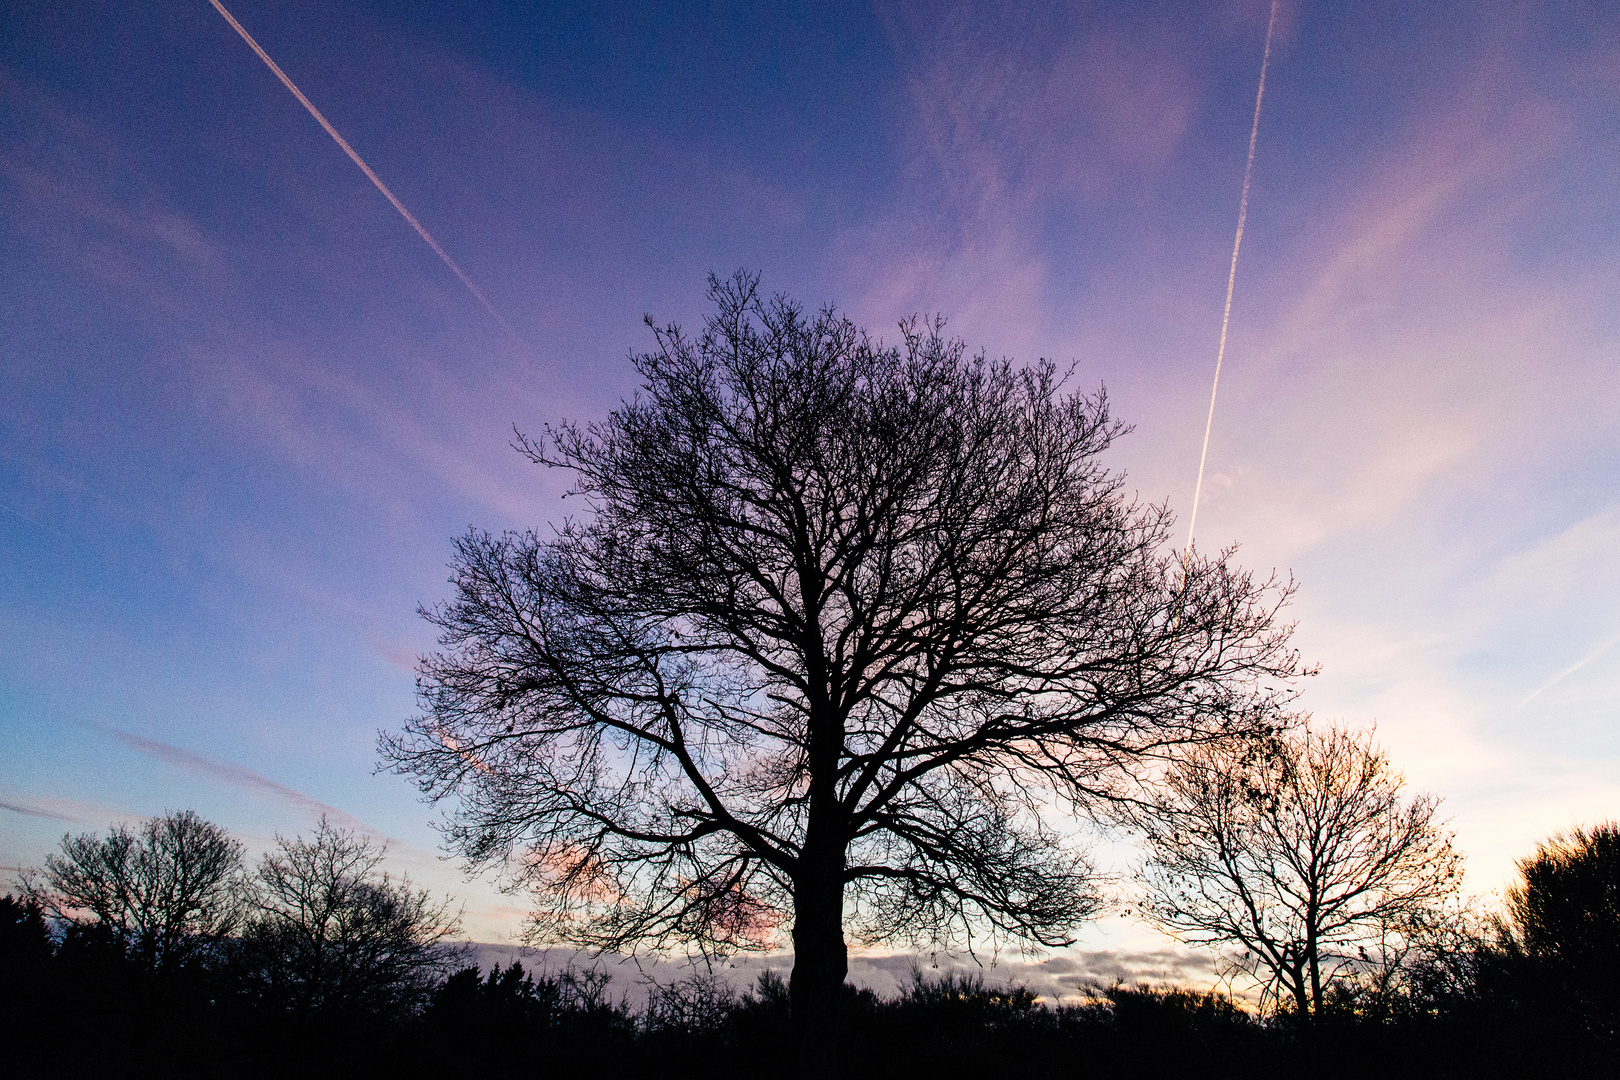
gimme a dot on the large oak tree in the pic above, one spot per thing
(841, 623)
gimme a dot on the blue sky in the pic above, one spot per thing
(243, 407)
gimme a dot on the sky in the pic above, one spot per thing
(244, 407)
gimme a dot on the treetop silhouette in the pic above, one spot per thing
(841, 624)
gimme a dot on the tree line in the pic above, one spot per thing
(315, 927)
(153, 951)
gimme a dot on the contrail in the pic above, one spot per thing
(1572, 669)
(1231, 279)
(347, 149)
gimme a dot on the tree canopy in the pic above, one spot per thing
(841, 624)
(166, 892)
(1563, 916)
(1304, 853)
(332, 933)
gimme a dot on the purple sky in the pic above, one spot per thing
(243, 407)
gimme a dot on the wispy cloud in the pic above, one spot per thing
(1007, 133)
(57, 808)
(1401, 350)
(242, 777)
(39, 812)
(83, 194)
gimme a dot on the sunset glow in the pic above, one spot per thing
(244, 408)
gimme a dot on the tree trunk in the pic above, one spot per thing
(820, 964)
(1315, 966)
(1302, 1000)
(820, 958)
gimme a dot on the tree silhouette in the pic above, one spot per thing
(26, 952)
(1300, 850)
(25, 940)
(1564, 916)
(165, 893)
(331, 934)
(842, 622)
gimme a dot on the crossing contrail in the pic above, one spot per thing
(1231, 279)
(354, 157)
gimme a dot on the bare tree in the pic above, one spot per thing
(166, 892)
(841, 623)
(1301, 851)
(331, 933)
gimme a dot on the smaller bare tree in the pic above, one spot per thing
(332, 933)
(166, 892)
(1302, 852)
